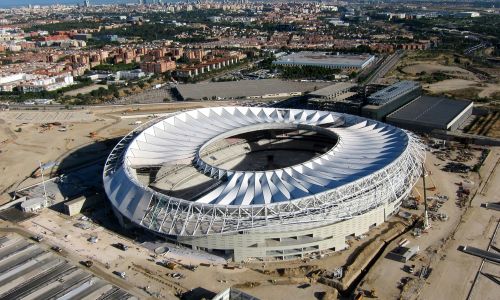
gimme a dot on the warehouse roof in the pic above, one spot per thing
(245, 88)
(324, 58)
(430, 111)
(332, 89)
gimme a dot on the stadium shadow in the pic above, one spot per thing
(80, 175)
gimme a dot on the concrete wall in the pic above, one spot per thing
(291, 241)
(459, 120)
(75, 206)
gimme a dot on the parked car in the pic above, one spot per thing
(122, 275)
(87, 263)
(56, 249)
(37, 238)
(121, 246)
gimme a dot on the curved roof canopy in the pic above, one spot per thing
(363, 147)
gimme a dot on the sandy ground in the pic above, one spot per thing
(413, 64)
(434, 68)
(24, 143)
(489, 90)
(22, 151)
(386, 273)
(450, 85)
(452, 270)
(455, 271)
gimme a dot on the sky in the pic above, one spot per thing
(15, 3)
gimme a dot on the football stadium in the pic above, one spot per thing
(261, 183)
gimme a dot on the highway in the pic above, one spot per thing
(384, 67)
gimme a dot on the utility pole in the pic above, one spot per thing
(426, 224)
(43, 183)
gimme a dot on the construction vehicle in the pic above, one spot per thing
(170, 265)
(87, 263)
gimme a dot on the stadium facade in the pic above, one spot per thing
(263, 183)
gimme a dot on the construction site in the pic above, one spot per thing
(59, 159)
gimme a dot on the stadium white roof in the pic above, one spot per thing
(363, 147)
(372, 163)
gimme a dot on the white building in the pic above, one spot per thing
(33, 204)
(130, 75)
(467, 14)
(35, 83)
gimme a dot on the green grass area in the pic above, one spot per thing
(486, 24)
(116, 67)
(156, 31)
(433, 77)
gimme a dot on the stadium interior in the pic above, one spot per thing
(259, 150)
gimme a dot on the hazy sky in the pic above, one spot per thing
(12, 3)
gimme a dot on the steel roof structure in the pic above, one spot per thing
(393, 92)
(371, 164)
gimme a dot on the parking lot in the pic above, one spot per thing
(28, 270)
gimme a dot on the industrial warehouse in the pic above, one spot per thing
(385, 101)
(326, 60)
(262, 183)
(427, 113)
(402, 104)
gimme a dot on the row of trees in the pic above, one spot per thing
(116, 67)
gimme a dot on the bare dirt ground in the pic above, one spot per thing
(22, 151)
(485, 90)
(145, 272)
(386, 273)
(25, 141)
(453, 275)
(431, 68)
(490, 90)
(450, 85)
(452, 270)
(419, 66)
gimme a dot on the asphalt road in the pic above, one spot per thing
(385, 67)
